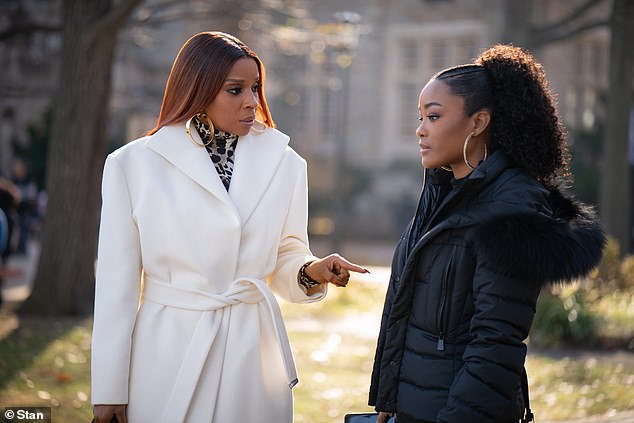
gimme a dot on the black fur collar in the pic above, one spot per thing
(543, 249)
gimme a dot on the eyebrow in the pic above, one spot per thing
(432, 103)
(239, 80)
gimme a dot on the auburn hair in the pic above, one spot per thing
(198, 73)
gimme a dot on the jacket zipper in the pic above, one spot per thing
(409, 242)
(444, 296)
(441, 343)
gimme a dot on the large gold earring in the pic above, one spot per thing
(464, 152)
(202, 116)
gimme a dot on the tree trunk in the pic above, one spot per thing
(517, 25)
(615, 185)
(64, 281)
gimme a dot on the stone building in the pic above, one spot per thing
(370, 168)
(27, 75)
(343, 78)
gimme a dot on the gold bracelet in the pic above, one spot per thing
(305, 280)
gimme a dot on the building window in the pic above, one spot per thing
(582, 99)
(465, 49)
(588, 117)
(571, 106)
(410, 54)
(408, 113)
(419, 58)
(439, 53)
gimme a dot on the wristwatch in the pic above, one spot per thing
(305, 280)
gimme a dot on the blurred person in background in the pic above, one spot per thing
(202, 221)
(9, 199)
(494, 224)
(27, 207)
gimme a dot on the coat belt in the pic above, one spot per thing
(242, 290)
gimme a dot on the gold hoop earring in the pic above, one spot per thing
(464, 152)
(200, 116)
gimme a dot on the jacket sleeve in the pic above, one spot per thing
(118, 281)
(293, 249)
(486, 387)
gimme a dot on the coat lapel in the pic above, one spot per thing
(258, 156)
(173, 143)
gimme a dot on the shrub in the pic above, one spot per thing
(610, 266)
(627, 273)
(564, 317)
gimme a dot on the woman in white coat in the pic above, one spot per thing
(202, 221)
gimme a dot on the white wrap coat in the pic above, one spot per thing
(186, 327)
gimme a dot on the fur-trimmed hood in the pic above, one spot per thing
(544, 249)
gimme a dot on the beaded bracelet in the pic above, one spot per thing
(305, 280)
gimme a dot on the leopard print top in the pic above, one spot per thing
(221, 150)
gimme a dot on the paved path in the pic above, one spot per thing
(17, 287)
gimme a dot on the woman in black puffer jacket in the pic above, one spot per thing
(493, 226)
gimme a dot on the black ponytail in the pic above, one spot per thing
(525, 125)
(524, 120)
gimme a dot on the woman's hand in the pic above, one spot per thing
(334, 269)
(105, 412)
(383, 417)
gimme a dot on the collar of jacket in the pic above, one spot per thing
(540, 248)
(472, 184)
(536, 246)
(496, 163)
(257, 157)
(479, 178)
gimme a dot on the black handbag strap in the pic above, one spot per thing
(528, 414)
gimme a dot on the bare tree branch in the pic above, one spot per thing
(574, 15)
(113, 20)
(206, 9)
(156, 9)
(26, 28)
(21, 22)
(542, 38)
(166, 4)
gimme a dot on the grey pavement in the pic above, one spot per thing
(16, 288)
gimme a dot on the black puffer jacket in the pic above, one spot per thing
(461, 303)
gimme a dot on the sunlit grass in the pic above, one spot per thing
(570, 388)
(617, 313)
(334, 342)
(46, 362)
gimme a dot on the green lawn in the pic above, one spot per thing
(45, 362)
(334, 345)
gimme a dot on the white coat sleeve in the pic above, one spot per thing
(293, 250)
(118, 283)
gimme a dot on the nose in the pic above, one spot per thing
(420, 131)
(251, 101)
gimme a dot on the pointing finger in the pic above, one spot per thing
(345, 264)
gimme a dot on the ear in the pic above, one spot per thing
(481, 120)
